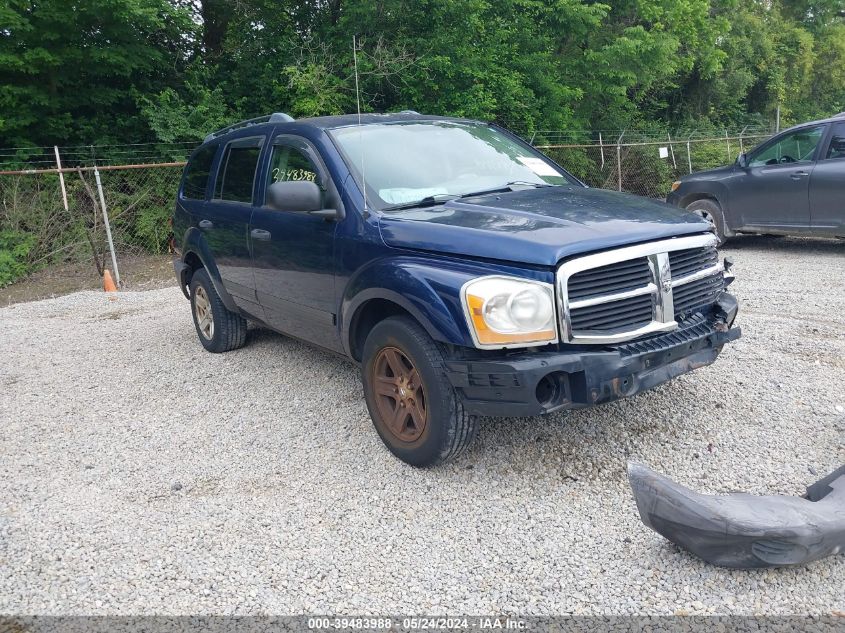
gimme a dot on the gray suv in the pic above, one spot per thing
(792, 184)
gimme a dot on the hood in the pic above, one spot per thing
(709, 174)
(537, 226)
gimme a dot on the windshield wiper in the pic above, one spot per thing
(443, 198)
(428, 201)
(506, 187)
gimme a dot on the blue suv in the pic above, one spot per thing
(466, 272)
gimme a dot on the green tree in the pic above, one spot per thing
(71, 72)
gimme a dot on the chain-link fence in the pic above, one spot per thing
(54, 227)
(643, 166)
(53, 221)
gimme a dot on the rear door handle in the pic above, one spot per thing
(798, 175)
(206, 224)
(260, 234)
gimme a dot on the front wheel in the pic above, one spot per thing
(414, 407)
(712, 212)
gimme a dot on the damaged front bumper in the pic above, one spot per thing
(741, 530)
(537, 381)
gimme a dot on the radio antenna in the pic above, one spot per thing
(360, 141)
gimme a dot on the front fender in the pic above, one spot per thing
(196, 244)
(430, 294)
(707, 189)
(428, 289)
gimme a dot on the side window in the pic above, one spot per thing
(837, 142)
(795, 147)
(290, 163)
(197, 172)
(236, 174)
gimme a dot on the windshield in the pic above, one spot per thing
(434, 161)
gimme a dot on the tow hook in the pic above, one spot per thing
(741, 530)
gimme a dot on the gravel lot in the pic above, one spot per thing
(140, 474)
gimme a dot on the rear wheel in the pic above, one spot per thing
(414, 407)
(712, 212)
(218, 328)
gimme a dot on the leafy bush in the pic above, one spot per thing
(152, 228)
(14, 252)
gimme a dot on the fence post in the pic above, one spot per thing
(672, 151)
(601, 148)
(107, 223)
(741, 144)
(619, 161)
(728, 141)
(689, 153)
(61, 176)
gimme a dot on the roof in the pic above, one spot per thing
(329, 122)
(831, 119)
(343, 120)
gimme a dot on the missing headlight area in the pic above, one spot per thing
(741, 530)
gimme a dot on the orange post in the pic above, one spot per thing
(108, 282)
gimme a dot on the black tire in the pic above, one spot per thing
(228, 329)
(448, 429)
(712, 212)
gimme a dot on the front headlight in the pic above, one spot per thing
(508, 312)
(676, 184)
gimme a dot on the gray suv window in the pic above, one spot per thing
(796, 147)
(837, 142)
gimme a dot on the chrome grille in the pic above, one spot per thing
(605, 280)
(692, 260)
(634, 312)
(629, 292)
(696, 294)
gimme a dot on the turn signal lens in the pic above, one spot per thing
(676, 184)
(509, 312)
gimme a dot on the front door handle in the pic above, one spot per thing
(206, 224)
(798, 175)
(260, 234)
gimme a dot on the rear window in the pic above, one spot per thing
(236, 174)
(197, 172)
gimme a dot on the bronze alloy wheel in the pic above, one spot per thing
(400, 395)
(205, 317)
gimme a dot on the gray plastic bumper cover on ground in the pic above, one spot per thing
(741, 530)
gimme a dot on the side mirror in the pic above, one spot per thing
(303, 196)
(742, 161)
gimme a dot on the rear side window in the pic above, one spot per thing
(197, 172)
(236, 174)
(837, 142)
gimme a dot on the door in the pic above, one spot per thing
(772, 192)
(827, 186)
(225, 219)
(293, 252)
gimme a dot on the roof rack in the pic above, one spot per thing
(276, 117)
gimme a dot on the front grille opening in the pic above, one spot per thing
(691, 260)
(697, 294)
(611, 279)
(628, 313)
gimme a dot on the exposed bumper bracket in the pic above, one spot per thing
(741, 530)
